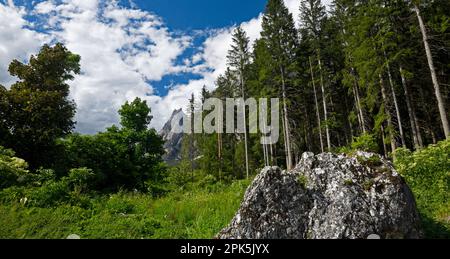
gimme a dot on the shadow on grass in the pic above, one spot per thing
(434, 229)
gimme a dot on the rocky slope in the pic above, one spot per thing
(327, 197)
(172, 140)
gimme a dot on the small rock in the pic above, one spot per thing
(73, 236)
(374, 236)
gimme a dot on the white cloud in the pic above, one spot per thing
(16, 41)
(121, 49)
(213, 54)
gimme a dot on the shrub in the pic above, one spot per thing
(50, 194)
(177, 178)
(120, 203)
(427, 172)
(45, 175)
(80, 179)
(365, 142)
(12, 169)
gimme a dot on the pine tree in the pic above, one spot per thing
(312, 15)
(280, 35)
(239, 59)
(434, 78)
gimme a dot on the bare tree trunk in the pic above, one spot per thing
(307, 129)
(383, 138)
(286, 124)
(272, 162)
(245, 124)
(440, 100)
(284, 137)
(397, 108)
(219, 151)
(411, 112)
(389, 117)
(418, 129)
(191, 142)
(317, 106)
(433, 135)
(358, 114)
(356, 92)
(358, 104)
(265, 149)
(324, 100)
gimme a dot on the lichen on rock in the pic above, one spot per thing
(327, 196)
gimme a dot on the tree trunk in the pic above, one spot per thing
(325, 109)
(394, 96)
(191, 142)
(286, 123)
(307, 129)
(219, 145)
(412, 116)
(358, 103)
(317, 106)
(245, 124)
(219, 154)
(389, 118)
(272, 161)
(284, 136)
(440, 100)
(265, 149)
(383, 138)
(358, 114)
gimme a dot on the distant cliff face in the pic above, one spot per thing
(173, 141)
(328, 197)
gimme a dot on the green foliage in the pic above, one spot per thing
(12, 169)
(302, 181)
(188, 214)
(37, 110)
(135, 115)
(120, 158)
(365, 142)
(80, 179)
(51, 194)
(427, 172)
(178, 178)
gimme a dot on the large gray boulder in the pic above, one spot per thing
(327, 197)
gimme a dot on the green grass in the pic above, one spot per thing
(201, 210)
(189, 214)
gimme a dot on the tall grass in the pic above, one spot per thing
(184, 214)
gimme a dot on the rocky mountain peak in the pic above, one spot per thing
(172, 140)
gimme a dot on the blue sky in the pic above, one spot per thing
(193, 15)
(202, 14)
(161, 51)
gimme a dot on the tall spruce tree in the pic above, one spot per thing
(239, 59)
(280, 35)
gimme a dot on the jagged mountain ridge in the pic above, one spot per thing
(172, 140)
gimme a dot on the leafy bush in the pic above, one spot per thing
(120, 203)
(52, 193)
(427, 172)
(80, 179)
(44, 175)
(365, 142)
(13, 170)
(178, 178)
